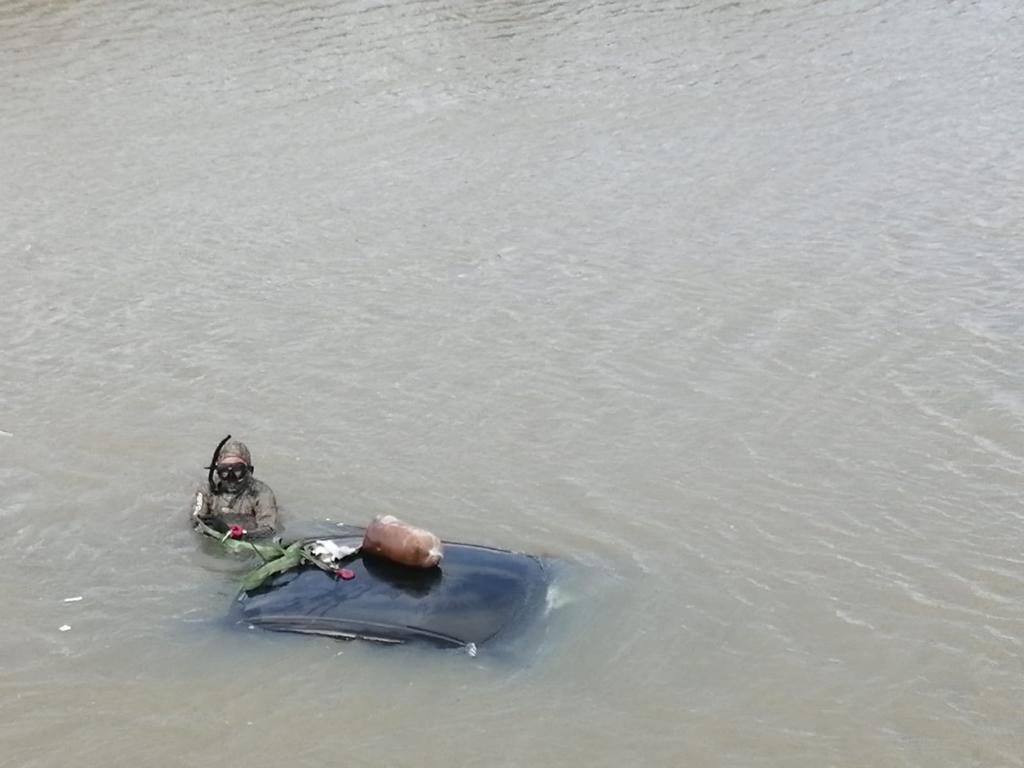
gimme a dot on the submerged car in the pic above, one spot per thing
(475, 595)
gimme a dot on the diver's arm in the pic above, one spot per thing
(200, 506)
(266, 513)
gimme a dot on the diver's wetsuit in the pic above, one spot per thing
(254, 508)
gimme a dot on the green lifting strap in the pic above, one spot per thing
(277, 557)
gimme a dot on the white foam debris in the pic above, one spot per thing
(65, 627)
(5, 433)
(471, 649)
(329, 552)
(72, 599)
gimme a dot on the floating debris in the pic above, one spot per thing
(330, 553)
(65, 627)
(72, 599)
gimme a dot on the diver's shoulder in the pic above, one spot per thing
(257, 487)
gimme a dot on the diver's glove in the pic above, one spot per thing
(236, 532)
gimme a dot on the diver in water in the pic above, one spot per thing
(233, 501)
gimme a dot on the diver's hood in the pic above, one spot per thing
(234, 448)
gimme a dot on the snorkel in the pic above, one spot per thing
(213, 466)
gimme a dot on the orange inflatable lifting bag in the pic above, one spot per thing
(389, 537)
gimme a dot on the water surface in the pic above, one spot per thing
(718, 302)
